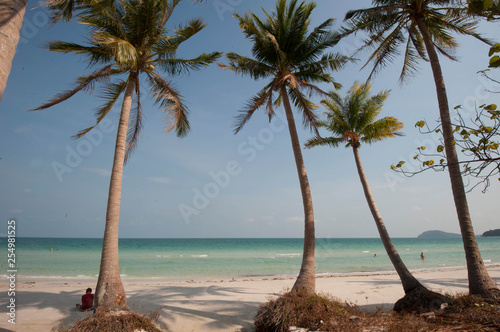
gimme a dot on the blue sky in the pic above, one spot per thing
(214, 183)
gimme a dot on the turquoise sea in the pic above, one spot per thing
(235, 258)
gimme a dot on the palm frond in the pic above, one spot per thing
(171, 102)
(333, 142)
(178, 66)
(252, 105)
(111, 93)
(247, 66)
(168, 45)
(306, 108)
(83, 83)
(134, 126)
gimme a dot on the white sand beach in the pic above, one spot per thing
(201, 305)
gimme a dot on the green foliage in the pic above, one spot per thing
(489, 9)
(128, 38)
(291, 56)
(420, 124)
(478, 139)
(353, 119)
(495, 59)
(393, 24)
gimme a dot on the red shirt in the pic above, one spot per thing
(87, 301)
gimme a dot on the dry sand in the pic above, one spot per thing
(228, 305)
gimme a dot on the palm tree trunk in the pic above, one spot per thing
(306, 281)
(480, 283)
(110, 293)
(408, 281)
(11, 20)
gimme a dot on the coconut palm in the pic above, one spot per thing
(129, 40)
(423, 28)
(353, 120)
(294, 60)
(11, 20)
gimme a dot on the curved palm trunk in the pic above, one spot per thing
(11, 20)
(480, 283)
(407, 279)
(110, 293)
(306, 281)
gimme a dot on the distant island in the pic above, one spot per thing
(437, 234)
(494, 232)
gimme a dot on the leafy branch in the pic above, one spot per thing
(478, 139)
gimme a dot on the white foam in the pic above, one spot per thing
(199, 256)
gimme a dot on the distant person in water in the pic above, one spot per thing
(422, 256)
(87, 300)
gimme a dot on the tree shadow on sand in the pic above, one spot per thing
(214, 307)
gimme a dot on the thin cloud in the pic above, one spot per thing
(99, 171)
(161, 180)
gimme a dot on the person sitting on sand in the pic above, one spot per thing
(87, 300)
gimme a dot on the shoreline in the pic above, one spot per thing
(254, 277)
(211, 304)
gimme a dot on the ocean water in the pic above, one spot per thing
(235, 258)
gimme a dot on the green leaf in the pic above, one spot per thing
(491, 107)
(440, 148)
(494, 62)
(494, 49)
(420, 124)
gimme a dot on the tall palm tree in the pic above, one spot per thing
(424, 27)
(353, 120)
(294, 60)
(128, 39)
(11, 20)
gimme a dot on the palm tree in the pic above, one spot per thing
(294, 60)
(353, 120)
(424, 27)
(129, 39)
(11, 20)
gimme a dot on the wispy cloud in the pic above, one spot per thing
(98, 171)
(160, 180)
(295, 219)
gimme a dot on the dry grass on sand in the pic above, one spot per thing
(115, 321)
(321, 312)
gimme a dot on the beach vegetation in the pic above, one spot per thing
(294, 60)
(424, 28)
(115, 321)
(476, 134)
(128, 41)
(296, 311)
(352, 120)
